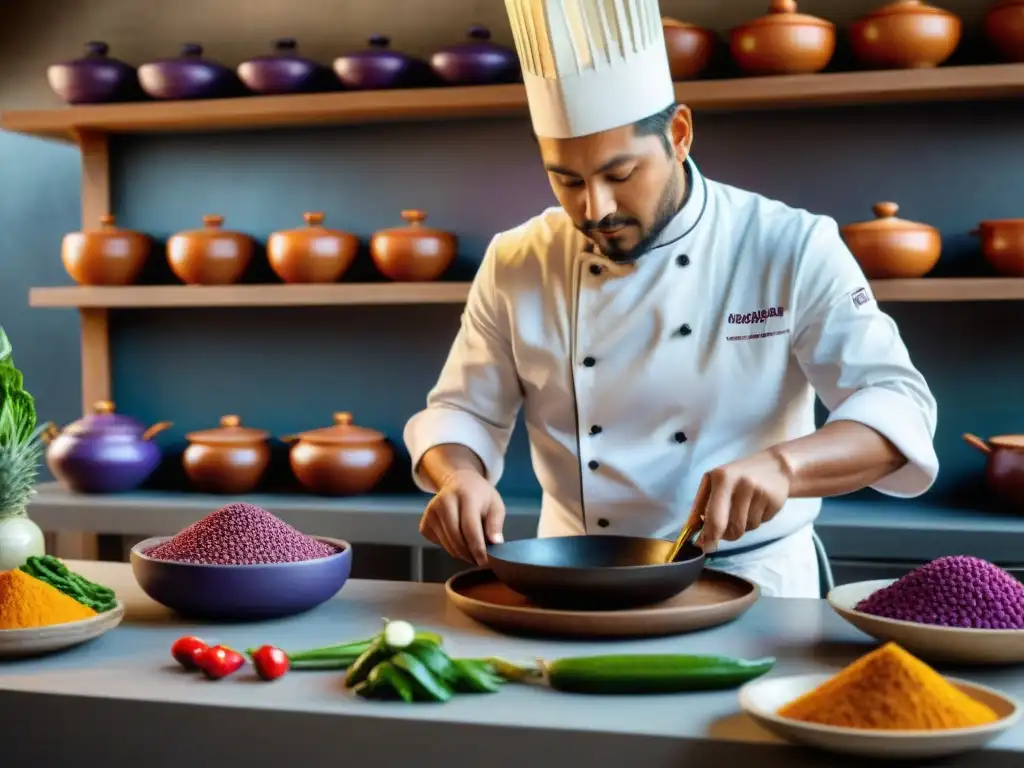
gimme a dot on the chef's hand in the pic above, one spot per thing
(738, 497)
(465, 509)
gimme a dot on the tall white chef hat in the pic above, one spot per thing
(590, 65)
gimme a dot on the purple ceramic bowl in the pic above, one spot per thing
(241, 592)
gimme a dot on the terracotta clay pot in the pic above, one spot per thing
(889, 247)
(311, 254)
(230, 459)
(783, 43)
(689, 48)
(1002, 242)
(1004, 471)
(209, 256)
(906, 34)
(414, 253)
(341, 460)
(1004, 28)
(105, 256)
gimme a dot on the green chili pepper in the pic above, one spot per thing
(476, 676)
(387, 681)
(436, 660)
(370, 658)
(427, 686)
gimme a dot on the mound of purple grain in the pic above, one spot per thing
(240, 534)
(958, 591)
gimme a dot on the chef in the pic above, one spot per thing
(664, 335)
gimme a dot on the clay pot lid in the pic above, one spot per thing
(906, 8)
(785, 12)
(1015, 442)
(211, 221)
(104, 420)
(314, 224)
(415, 218)
(343, 431)
(230, 432)
(887, 221)
(108, 223)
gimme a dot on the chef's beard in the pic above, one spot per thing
(664, 213)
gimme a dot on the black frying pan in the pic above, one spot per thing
(595, 572)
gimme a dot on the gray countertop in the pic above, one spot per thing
(121, 699)
(873, 527)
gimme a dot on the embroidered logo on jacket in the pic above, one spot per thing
(860, 297)
(757, 317)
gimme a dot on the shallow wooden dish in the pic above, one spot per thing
(39, 641)
(762, 699)
(957, 645)
(716, 598)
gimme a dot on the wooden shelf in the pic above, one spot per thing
(950, 289)
(185, 296)
(752, 93)
(182, 296)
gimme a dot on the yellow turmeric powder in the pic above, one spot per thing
(25, 602)
(889, 689)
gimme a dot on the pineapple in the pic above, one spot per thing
(21, 450)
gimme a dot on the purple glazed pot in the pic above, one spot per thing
(104, 452)
(95, 78)
(241, 592)
(189, 76)
(478, 62)
(379, 67)
(284, 71)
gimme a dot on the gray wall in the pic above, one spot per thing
(288, 369)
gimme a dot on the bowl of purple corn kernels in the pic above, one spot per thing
(956, 609)
(241, 563)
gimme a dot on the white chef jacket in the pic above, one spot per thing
(636, 380)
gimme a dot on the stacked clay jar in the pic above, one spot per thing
(213, 255)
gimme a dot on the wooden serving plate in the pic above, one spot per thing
(716, 598)
(38, 641)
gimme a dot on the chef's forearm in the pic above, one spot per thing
(441, 461)
(841, 457)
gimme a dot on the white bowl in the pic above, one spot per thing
(761, 700)
(956, 645)
(37, 641)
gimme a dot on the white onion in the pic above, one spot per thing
(20, 539)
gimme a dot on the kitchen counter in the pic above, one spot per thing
(121, 699)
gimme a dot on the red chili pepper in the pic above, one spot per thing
(186, 651)
(270, 662)
(219, 661)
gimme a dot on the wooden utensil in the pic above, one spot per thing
(692, 528)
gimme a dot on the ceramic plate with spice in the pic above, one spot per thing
(37, 641)
(763, 698)
(961, 645)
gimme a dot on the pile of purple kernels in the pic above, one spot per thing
(958, 591)
(240, 534)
